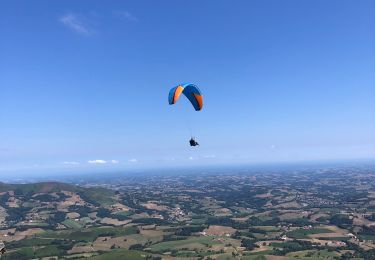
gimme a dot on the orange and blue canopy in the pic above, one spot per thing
(191, 91)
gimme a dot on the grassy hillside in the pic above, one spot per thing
(41, 187)
(95, 196)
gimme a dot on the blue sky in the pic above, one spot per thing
(84, 84)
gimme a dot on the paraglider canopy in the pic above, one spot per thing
(191, 91)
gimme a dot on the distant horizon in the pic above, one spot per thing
(30, 176)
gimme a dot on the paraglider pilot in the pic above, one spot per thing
(193, 142)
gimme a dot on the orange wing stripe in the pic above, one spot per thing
(177, 94)
(199, 99)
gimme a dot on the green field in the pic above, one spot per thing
(303, 233)
(367, 237)
(90, 234)
(186, 243)
(70, 223)
(98, 196)
(121, 254)
(312, 254)
(268, 228)
(28, 242)
(124, 213)
(254, 257)
(32, 252)
(198, 221)
(260, 253)
(82, 255)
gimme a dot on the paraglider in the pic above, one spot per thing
(193, 94)
(193, 142)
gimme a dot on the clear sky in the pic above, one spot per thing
(84, 84)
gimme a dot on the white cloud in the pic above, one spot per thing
(97, 162)
(75, 23)
(212, 156)
(133, 160)
(70, 163)
(127, 15)
(114, 161)
(191, 158)
(272, 147)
